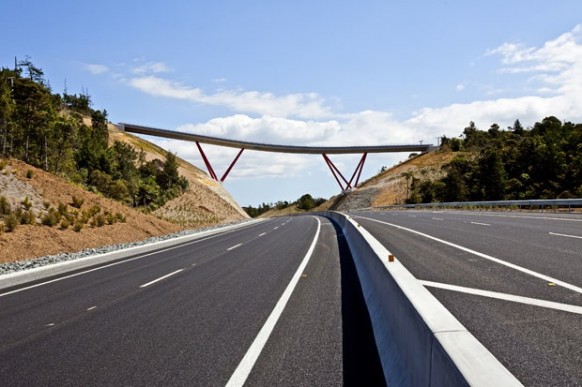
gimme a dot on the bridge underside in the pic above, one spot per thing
(344, 184)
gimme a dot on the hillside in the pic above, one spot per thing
(48, 193)
(204, 202)
(391, 186)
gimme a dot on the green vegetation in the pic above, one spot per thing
(47, 130)
(305, 202)
(544, 162)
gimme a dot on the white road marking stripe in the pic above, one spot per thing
(566, 235)
(481, 224)
(437, 218)
(261, 234)
(507, 297)
(50, 325)
(234, 247)
(485, 256)
(91, 308)
(244, 368)
(161, 278)
(276, 228)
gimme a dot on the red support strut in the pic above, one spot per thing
(337, 174)
(209, 166)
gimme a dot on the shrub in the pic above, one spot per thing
(78, 226)
(27, 217)
(98, 220)
(10, 223)
(29, 174)
(46, 205)
(2, 164)
(51, 218)
(77, 202)
(120, 217)
(94, 210)
(65, 224)
(4, 206)
(63, 209)
(26, 203)
(110, 218)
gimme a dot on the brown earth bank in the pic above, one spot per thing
(204, 203)
(392, 186)
(19, 181)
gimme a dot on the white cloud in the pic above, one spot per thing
(554, 88)
(460, 87)
(303, 105)
(151, 68)
(96, 69)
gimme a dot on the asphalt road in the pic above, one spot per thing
(188, 315)
(476, 264)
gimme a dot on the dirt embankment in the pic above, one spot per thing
(392, 186)
(19, 181)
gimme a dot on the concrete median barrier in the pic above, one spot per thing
(419, 341)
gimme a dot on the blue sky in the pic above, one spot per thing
(306, 73)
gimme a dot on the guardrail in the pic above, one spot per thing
(419, 341)
(534, 203)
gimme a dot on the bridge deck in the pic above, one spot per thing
(271, 147)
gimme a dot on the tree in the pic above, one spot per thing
(169, 176)
(492, 176)
(306, 202)
(517, 128)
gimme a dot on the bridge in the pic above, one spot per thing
(342, 181)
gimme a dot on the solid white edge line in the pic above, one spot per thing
(566, 235)
(161, 278)
(244, 368)
(506, 297)
(485, 256)
(234, 247)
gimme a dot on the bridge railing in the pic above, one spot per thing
(541, 204)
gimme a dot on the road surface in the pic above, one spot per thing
(189, 314)
(513, 279)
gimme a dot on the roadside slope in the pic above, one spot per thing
(47, 192)
(205, 202)
(391, 186)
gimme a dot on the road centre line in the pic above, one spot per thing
(506, 297)
(263, 233)
(480, 224)
(161, 278)
(566, 235)
(276, 228)
(92, 308)
(485, 256)
(244, 368)
(234, 247)
(118, 262)
(437, 218)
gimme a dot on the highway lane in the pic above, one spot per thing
(475, 263)
(187, 315)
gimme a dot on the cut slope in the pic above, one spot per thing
(47, 190)
(205, 202)
(391, 186)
